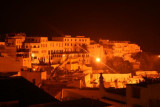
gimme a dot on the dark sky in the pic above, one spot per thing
(137, 20)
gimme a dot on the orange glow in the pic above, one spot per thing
(158, 56)
(98, 59)
(32, 55)
(34, 69)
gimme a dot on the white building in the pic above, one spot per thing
(39, 49)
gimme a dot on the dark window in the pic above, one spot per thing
(135, 92)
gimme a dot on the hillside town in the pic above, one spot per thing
(73, 67)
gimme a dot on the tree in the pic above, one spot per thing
(148, 61)
(119, 65)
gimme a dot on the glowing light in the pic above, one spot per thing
(98, 59)
(158, 56)
(32, 55)
(34, 69)
(63, 55)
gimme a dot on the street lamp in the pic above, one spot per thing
(98, 59)
(32, 55)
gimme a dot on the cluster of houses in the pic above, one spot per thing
(37, 59)
(79, 49)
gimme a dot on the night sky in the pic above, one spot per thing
(137, 21)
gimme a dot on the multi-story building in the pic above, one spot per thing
(122, 49)
(144, 94)
(55, 50)
(39, 49)
(65, 47)
(16, 39)
(73, 44)
(24, 57)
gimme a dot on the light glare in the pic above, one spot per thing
(98, 59)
